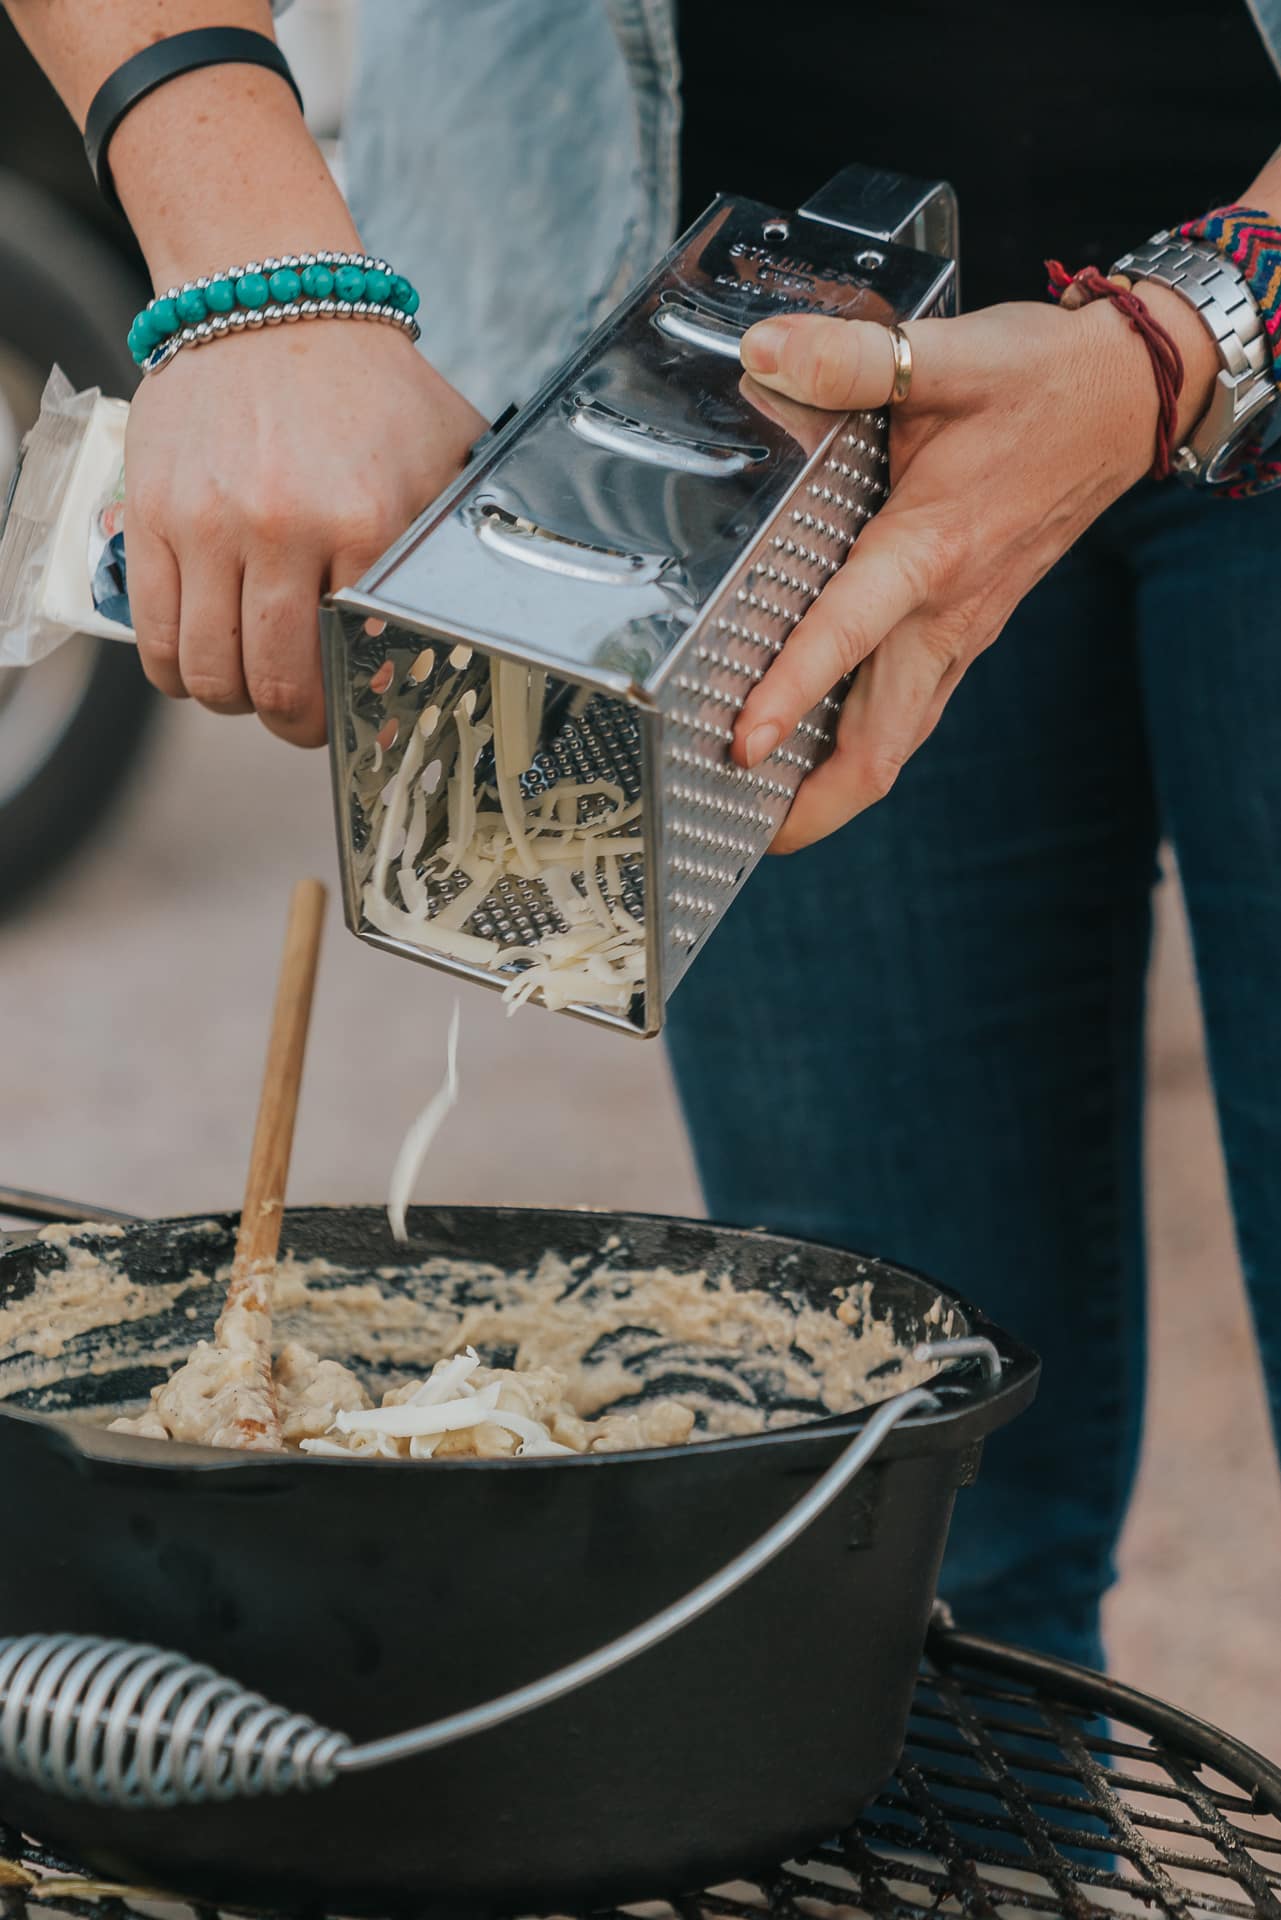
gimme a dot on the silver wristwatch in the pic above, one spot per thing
(1245, 387)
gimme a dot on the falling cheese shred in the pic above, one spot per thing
(570, 837)
(417, 1142)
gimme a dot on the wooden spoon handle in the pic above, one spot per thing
(260, 1218)
(244, 1326)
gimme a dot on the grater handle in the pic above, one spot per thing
(888, 206)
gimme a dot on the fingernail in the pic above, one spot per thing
(762, 346)
(761, 742)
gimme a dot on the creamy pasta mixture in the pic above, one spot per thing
(462, 1407)
(450, 1356)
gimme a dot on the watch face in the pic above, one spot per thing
(1218, 468)
(1229, 423)
(1222, 461)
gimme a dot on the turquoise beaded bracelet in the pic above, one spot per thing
(297, 286)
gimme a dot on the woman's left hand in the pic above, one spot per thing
(1022, 424)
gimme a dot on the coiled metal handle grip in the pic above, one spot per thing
(126, 1725)
(134, 1726)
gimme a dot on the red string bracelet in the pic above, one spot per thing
(1167, 362)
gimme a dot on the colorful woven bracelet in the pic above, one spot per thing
(1251, 239)
(297, 286)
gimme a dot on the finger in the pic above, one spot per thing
(209, 639)
(842, 364)
(280, 625)
(889, 710)
(884, 580)
(347, 567)
(806, 425)
(946, 687)
(155, 600)
(351, 562)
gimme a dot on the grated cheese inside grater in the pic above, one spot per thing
(532, 695)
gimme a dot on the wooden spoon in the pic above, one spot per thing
(246, 1315)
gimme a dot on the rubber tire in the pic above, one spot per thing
(66, 297)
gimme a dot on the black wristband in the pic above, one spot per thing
(180, 53)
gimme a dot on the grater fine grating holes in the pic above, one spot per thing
(603, 742)
(703, 863)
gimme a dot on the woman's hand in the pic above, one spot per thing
(262, 472)
(1023, 423)
(266, 469)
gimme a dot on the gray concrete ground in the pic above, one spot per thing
(133, 1004)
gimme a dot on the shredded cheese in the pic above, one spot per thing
(417, 1141)
(571, 838)
(466, 1408)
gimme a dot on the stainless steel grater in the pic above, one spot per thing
(635, 545)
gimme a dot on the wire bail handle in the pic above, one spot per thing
(128, 1725)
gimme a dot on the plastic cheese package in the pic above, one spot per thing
(62, 559)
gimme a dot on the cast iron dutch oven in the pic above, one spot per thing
(378, 1595)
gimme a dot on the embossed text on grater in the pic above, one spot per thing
(646, 532)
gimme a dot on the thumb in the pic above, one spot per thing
(838, 365)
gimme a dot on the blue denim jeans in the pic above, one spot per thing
(924, 1037)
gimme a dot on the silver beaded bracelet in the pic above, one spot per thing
(218, 326)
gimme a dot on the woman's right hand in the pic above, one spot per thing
(263, 471)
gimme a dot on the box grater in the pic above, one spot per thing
(637, 542)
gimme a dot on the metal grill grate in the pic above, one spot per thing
(1015, 1797)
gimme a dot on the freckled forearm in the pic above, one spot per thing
(215, 165)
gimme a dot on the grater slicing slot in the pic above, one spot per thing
(618, 432)
(682, 320)
(517, 538)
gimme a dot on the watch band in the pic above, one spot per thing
(1221, 297)
(165, 60)
(1212, 285)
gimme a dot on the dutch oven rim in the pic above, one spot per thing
(962, 1424)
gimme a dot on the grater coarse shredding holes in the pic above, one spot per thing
(531, 696)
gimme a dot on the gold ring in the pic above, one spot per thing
(901, 347)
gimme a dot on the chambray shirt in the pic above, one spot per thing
(518, 160)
